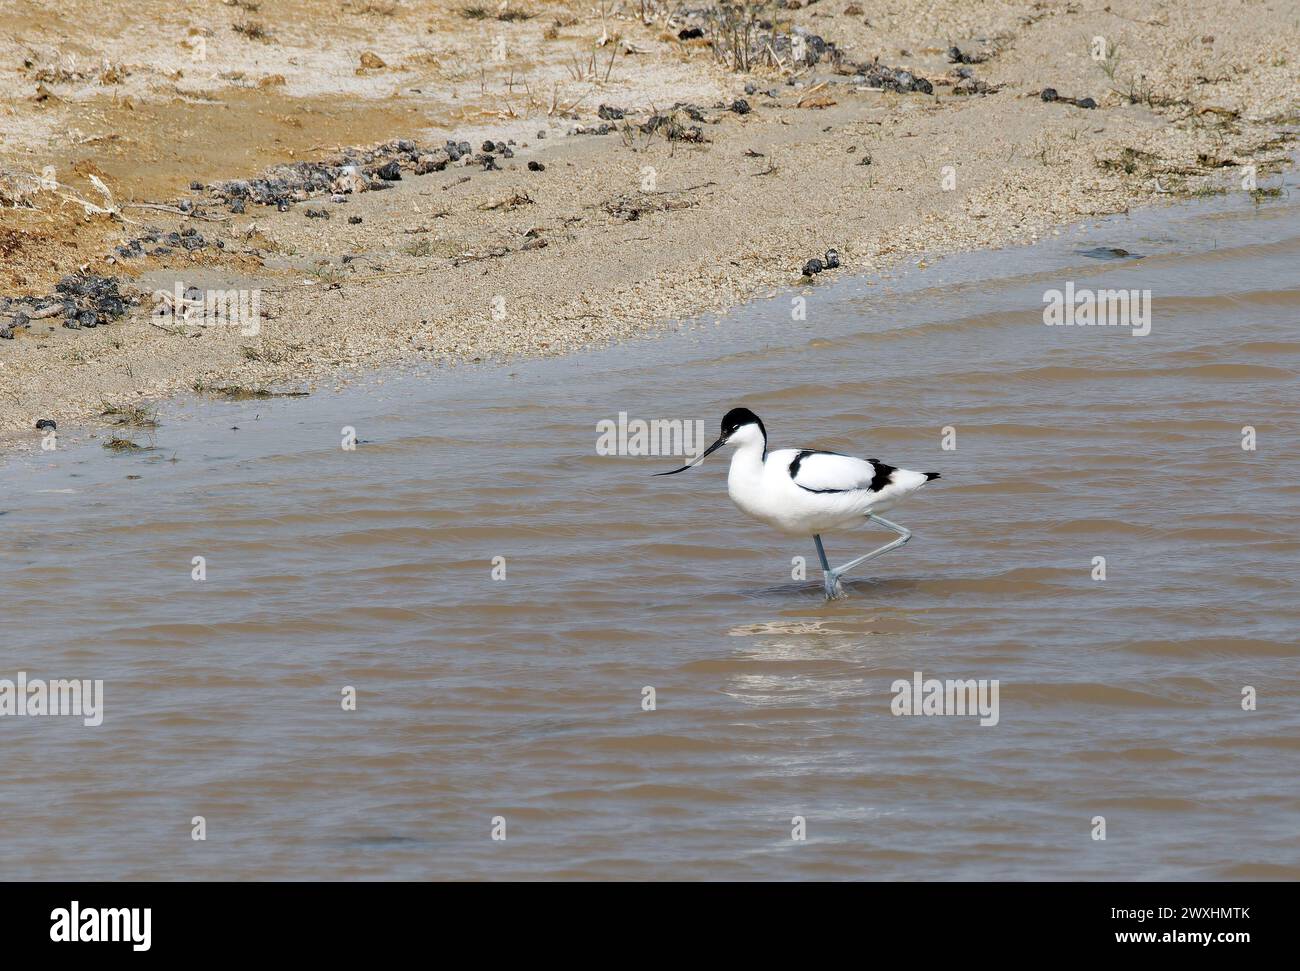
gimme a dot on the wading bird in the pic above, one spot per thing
(804, 492)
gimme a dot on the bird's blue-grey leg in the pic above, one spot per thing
(904, 534)
(827, 575)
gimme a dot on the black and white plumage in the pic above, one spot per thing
(804, 492)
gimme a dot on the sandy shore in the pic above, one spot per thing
(608, 235)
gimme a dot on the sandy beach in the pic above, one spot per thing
(621, 174)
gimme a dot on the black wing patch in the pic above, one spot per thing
(884, 475)
(798, 460)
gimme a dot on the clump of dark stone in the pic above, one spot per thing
(536, 167)
(745, 40)
(899, 79)
(354, 220)
(670, 124)
(605, 129)
(353, 170)
(83, 300)
(489, 162)
(188, 239)
(830, 261)
(1051, 94)
(815, 47)
(46, 424)
(957, 56)
(740, 106)
(317, 214)
(610, 113)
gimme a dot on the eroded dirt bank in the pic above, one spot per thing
(575, 203)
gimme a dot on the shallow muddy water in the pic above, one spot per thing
(521, 697)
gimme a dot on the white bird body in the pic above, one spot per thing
(804, 492)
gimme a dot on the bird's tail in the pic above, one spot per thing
(931, 475)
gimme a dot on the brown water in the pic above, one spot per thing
(521, 697)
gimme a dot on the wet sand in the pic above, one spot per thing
(444, 268)
(521, 697)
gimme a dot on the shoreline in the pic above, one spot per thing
(588, 250)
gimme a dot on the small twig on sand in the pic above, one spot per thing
(174, 331)
(180, 212)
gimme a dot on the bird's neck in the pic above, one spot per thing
(748, 457)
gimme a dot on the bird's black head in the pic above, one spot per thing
(732, 422)
(739, 417)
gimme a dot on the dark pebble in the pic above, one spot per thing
(832, 259)
(318, 214)
(740, 106)
(237, 206)
(813, 267)
(392, 172)
(1048, 94)
(354, 220)
(690, 33)
(42, 424)
(536, 167)
(88, 318)
(1086, 103)
(196, 186)
(610, 113)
